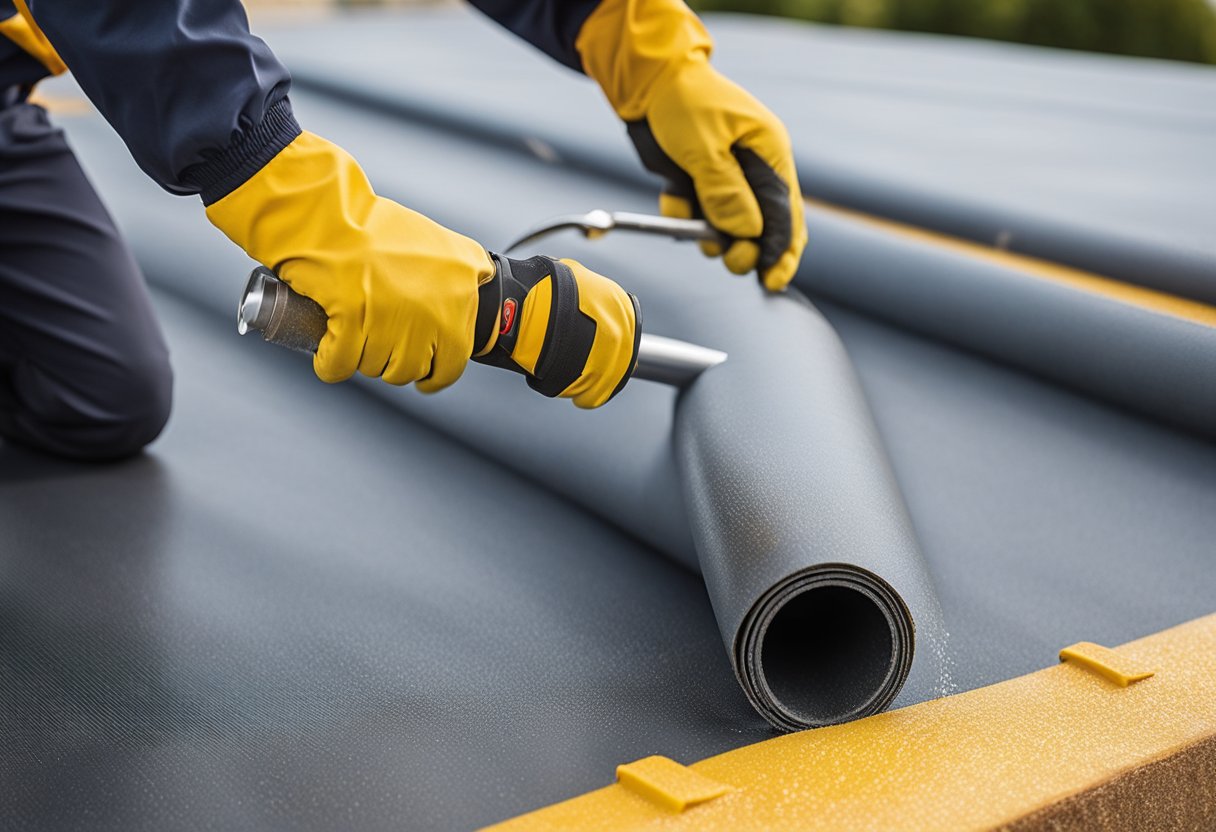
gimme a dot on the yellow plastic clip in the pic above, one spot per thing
(1105, 662)
(668, 784)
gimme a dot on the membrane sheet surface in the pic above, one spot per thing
(313, 606)
(1091, 160)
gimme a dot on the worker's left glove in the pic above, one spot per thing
(573, 331)
(399, 290)
(724, 156)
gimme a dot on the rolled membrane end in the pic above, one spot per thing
(829, 644)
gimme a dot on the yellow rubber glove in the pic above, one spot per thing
(400, 290)
(574, 332)
(725, 157)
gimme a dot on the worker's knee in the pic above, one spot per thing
(132, 409)
(139, 403)
(111, 414)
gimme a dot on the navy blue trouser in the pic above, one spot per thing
(84, 370)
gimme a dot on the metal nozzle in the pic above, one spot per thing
(673, 362)
(270, 307)
(595, 224)
(249, 315)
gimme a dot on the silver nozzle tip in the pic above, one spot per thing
(251, 304)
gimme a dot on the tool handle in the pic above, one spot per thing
(673, 227)
(289, 319)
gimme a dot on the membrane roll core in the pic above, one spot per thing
(825, 646)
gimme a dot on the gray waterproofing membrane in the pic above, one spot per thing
(1050, 151)
(1095, 161)
(302, 610)
(1043, 516)
(617, 461)
(769, 525)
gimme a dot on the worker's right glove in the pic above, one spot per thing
(575, 332)
(723, 154)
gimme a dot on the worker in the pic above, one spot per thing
(203, 107)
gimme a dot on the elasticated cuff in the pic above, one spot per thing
(220, 176)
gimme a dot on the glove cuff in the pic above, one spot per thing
(630, 46)
(572, 332)
(311, 194)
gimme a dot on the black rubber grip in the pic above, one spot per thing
(569, 336)
(506, 294)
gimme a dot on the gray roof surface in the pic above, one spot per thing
(243, 650)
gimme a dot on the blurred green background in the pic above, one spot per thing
(1183, 30)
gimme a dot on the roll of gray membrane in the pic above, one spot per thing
(801, 534)
(790, 633)
(768, 475)
(1151, 354)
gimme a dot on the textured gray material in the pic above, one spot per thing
(1148, 361)
(254, 679)
(793, 500)
(1133, 136)
(814, 489)
(1045, 517)
(1097, 161)
(302, 610)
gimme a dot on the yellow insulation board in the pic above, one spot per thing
(976, 760)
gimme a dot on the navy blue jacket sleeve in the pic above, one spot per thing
(200, 102)
(550, 25)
